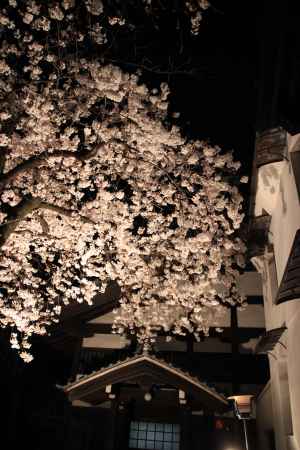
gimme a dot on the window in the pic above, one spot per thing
(158, 436)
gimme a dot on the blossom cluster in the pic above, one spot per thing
(96, 185)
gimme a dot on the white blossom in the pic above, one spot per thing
(95, 188)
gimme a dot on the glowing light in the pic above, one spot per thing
(148, 397)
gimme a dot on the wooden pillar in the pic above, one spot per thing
(76, 358)
(113, 439)
(234, 349)
(122, 427)
(190, 344)
(67, 425)
(185, 428)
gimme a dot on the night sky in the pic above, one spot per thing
(212, 76)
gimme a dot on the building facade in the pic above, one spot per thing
(276, 256)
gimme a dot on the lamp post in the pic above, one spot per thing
(242, 409)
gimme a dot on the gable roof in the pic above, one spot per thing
(144, 369)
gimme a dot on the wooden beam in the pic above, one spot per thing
(245, 333)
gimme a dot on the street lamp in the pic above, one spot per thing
(243, 409)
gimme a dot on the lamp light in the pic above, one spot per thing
(243, 410)
(108, 388)
(148, 397)
(182, 397)
(242, 406)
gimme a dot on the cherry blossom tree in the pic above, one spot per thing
(97, 184)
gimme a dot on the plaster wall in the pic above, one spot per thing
(251, 317)
(250, 283)
(278, 410)
(285, 222)
(285, 219)
(294, 374)
(264, 419)
(113, 341)
(284, 363)
(267, 187)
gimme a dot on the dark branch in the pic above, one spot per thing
(27, 206)
(36, 160)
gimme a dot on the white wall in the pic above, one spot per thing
(285, 219)
(264, 418)
(294, 373)
(284, 363)
(250, 283)
(113, 341)
(268, 177)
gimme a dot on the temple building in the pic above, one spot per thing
(171, 396)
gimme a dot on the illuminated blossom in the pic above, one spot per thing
(96, 187)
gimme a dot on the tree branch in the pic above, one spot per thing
(27, 206)
(44, 225)
(64, 211)
(155, 70)
(24, 208)
(141, 157)
(2, 161)
(36, 160)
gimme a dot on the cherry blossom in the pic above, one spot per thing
(97, 185)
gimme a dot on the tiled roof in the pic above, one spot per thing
(145, 357)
